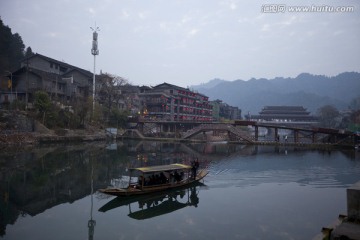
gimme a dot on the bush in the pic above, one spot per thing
(17, 104)
(118, 118)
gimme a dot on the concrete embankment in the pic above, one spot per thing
(347, 226)
(70, 138)
(63, 135)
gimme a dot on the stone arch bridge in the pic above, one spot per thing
(232, 132)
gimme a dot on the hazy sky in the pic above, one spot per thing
(188, 42)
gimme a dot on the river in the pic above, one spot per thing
(251, 192)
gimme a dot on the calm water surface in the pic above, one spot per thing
(251, 192)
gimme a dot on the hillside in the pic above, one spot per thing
(310, 91)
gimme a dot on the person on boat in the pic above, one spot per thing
(140, 180)
(177, 177)
(162, 178)
(147, 181)
(157, 179)
(195, 165)
(193, 169)
(171, 178)
(182, 175)
(152, 180)
(167, 177)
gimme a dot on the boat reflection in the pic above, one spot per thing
(153, 205)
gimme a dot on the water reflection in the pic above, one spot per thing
(41, 178)
(34, 180)
(315, 168)
(153, 205)
(91, 222)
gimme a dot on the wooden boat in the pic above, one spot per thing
(151, 197)
(145, 180)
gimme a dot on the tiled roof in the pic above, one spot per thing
(60, 63)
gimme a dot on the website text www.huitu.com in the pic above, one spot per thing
(282, 8)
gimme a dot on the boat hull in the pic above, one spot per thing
(133, 191)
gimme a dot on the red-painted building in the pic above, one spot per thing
(167, 102)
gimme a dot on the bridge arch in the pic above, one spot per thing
(230, 129)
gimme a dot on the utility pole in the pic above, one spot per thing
(94, 51)
(27, 85)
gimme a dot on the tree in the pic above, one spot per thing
(17, 48)
(11, 52)
(355, 104)
(355, 121)
(42, 103)
(81, 109)
(109, 91)
(28, 52)
(11, 49)
(5, 39)
(328, 116)
(118, 118)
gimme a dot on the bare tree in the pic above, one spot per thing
(328, 116)
(355, 104)
(109, 91)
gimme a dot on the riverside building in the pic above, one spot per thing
(167, 102)
(284, 114)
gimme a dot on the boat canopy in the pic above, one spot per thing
(162, 168)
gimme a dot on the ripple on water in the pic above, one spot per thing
(243, 172)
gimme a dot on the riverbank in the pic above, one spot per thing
(94, 134)
(18, 129)
(40, 134)
(33, 138)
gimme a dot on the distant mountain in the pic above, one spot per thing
(211, 83)
(310, 91)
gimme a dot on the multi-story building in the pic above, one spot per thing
(167, 102)
(58, 79)
(64, 82)
(229, 112)
(131, 98)
(285, 113)
(225, 111)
